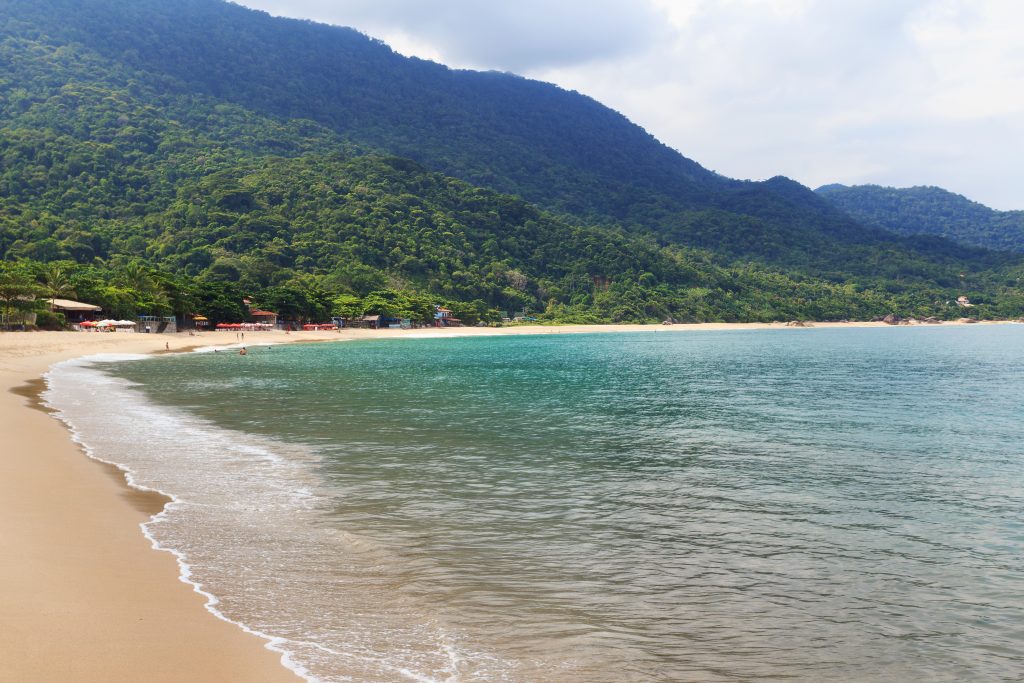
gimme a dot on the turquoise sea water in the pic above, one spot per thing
(810, 505)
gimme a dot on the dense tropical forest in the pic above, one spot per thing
(930, 211)
(177, 157)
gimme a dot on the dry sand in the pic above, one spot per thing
(83, 596)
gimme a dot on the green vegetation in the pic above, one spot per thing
(176, 158)
(930, 211)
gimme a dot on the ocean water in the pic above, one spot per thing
(804, 505)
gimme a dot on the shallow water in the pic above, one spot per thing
(826, 505)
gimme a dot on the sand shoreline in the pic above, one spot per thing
(82, 594)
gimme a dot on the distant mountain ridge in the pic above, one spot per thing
(925, 210)
(149, 131)
(559, 149)
(362, 89)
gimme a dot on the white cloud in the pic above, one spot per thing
(901, 92)
(975, 51)
(512, 36)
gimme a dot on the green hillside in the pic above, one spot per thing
(930, 211)
(555, 148)
(175, 156)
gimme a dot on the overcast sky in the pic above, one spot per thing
(891, 92)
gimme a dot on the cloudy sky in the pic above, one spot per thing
(892, 92)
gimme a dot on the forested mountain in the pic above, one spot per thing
(930, 211)
(184, 152)
(559, 149)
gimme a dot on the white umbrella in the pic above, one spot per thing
(106, 323)
(124, 323)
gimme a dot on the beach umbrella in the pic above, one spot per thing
(105, 323)
(88, 323)
(124, 323)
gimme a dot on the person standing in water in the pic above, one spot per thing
(243, 352)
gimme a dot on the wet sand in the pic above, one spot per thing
(83, 596)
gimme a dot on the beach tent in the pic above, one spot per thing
(124, 323)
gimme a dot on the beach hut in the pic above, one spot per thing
(75, 312)
(443, 317)
(263, 317)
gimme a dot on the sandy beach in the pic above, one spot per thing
(83, 596)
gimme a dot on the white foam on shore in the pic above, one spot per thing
(274, 643)
(230, 492)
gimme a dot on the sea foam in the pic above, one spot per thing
(244, 523)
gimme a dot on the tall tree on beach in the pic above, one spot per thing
(57, 281)
(17, 292)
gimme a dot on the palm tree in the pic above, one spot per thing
(138, 277)
(57, 282)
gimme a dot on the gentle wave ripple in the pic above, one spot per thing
(813, 505)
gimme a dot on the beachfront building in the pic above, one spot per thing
(963, 302)
(443, 317)
(156, 324)
(377, 322)
(264, 317)
(75, 312)
(523, 317)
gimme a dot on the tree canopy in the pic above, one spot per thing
(160, 159)
(930, 211)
